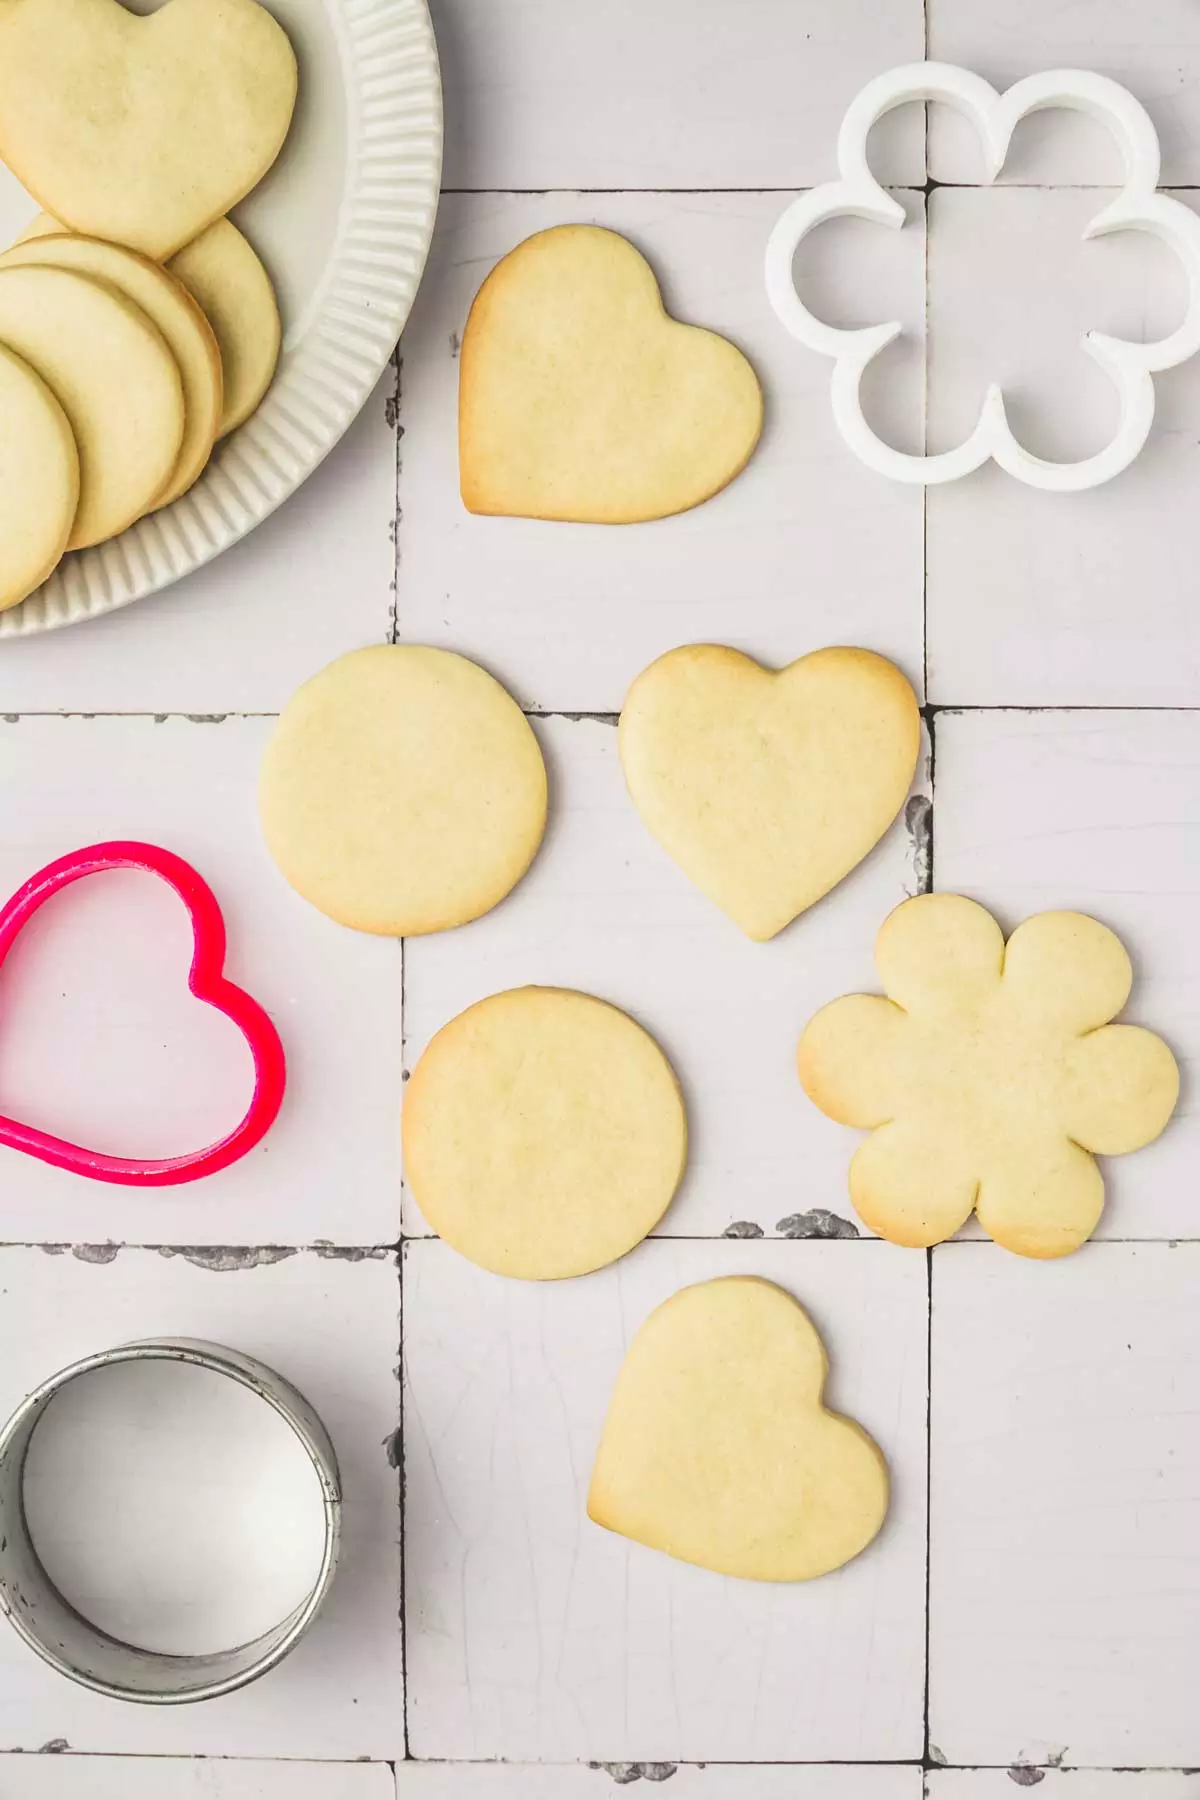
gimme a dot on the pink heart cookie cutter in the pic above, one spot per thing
(206, 982)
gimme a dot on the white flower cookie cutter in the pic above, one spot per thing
(857, 194)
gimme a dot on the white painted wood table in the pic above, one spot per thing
(1033, 1605)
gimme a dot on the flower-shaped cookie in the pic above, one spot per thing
(988, 1076)
(856, 194)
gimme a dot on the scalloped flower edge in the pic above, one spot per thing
(856, 194)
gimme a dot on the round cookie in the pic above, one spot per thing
(222, 272)
(544, 1133)
(403, 791)
(167, 303)
(115, 379)
(39, 480)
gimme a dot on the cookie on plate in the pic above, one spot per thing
(224, 274)
(114, 377)
(168, 305)
(142, 130)
(39, 480)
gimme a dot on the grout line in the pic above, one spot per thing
(112, 1247)
(159, 718)
(925, 359)
(930, 725)
(401, 1261)
(402, 1501)
(794, 187)
(800, 187)
(1050, 187)
(393, 632)
(404, 1069)
(316, 1247)
(507, 1762)
(926, 210)
(931, 819)
(928, 1759)
(240, 1255)
(513, 1763)
(949, 709)
(931, 710)
(577, 718)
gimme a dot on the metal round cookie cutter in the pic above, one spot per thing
(76, 1648)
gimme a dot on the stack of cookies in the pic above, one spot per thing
(137, 325)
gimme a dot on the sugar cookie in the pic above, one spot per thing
(579, 398)
(43, 224)
(718, 1450)
(222, 272)
(544, 1133)
(168, 305)
(767, 787)
(115, 379)
(988, 1075)
(39, 480)
(403, 791)
(142, 130)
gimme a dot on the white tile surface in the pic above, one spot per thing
(805, 548)
(1064, 1518)
(1063, 1784)
(1153, 49)
(604, 909)
(681, 94)
(332, 1328)
(534, 1634)
(1029, 594)
(94, 992)
(126, 1778)
(1065, 1572)
(499, 1781)
(1095, 812)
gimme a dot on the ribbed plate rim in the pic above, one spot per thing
(393, 179)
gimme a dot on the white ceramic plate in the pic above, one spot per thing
(343, 223)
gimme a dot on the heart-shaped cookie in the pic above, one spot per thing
(206, 980)
(580, 399)
(142, 130)
(717, 1448)
(767, 787)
